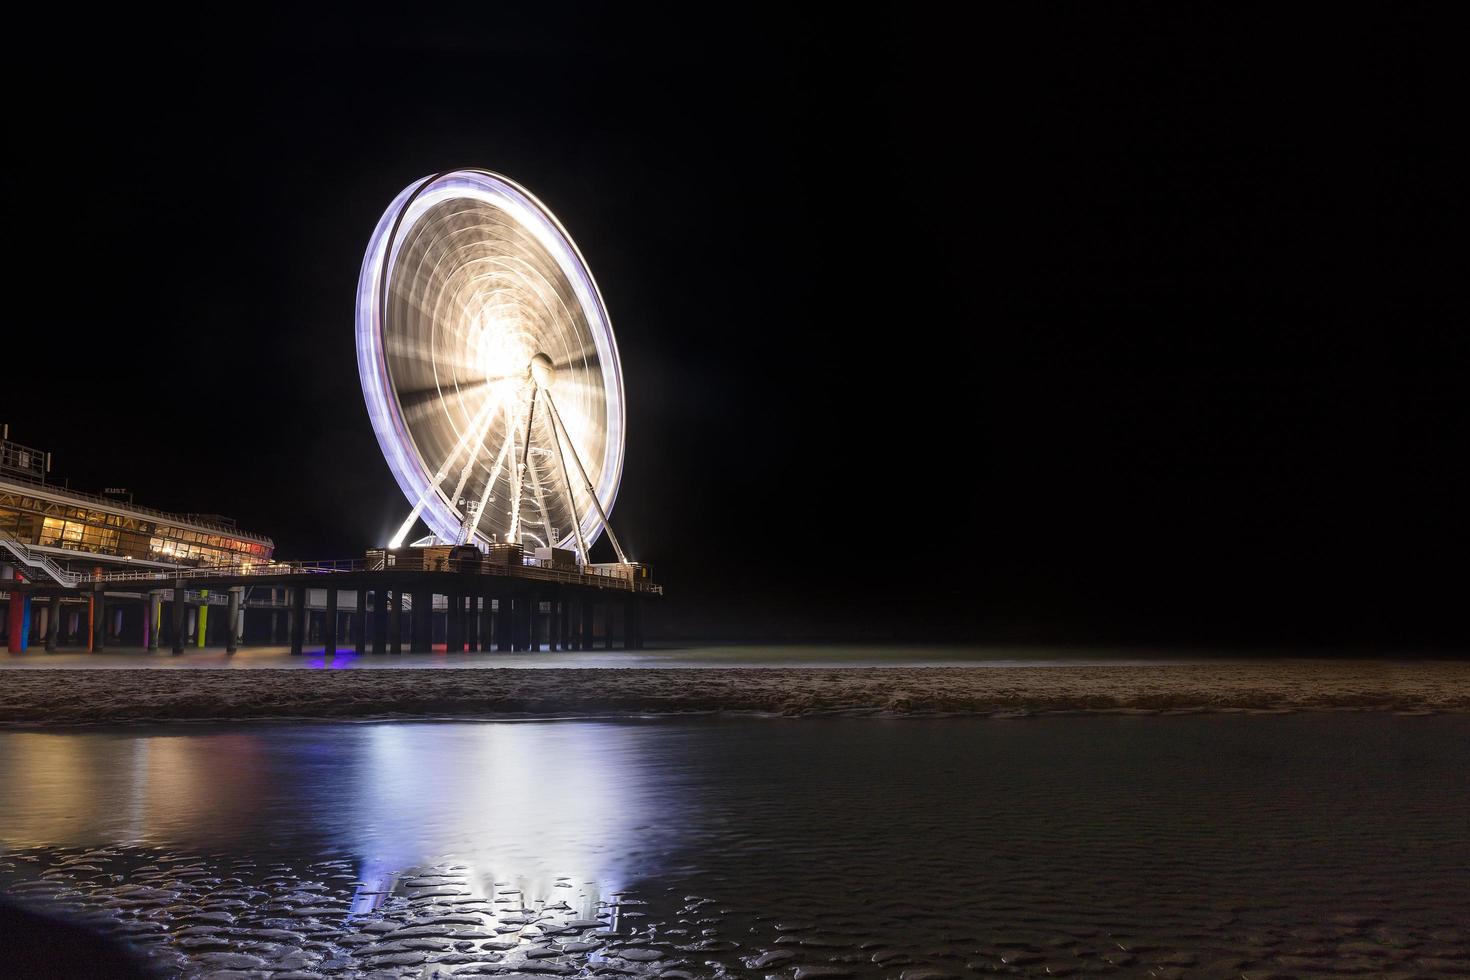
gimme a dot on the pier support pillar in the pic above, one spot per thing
(454, 623)
(359, 623)
(487, 639)
(516, 606)
(201, 630)
(153, 617)
(14, 621)
(528, 605)
(298, 619)
(201, 620)
(176, 614)
(589, 623)
(380, 621)
(421, 628)
(232, 641)
(99, 623)
(329, 626)
(632, 623)
(501, 622)
(25, 621)
(53, 624)
(395, 621)
(471, 623)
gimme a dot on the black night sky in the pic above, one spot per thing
(1076, 326)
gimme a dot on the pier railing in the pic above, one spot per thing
(528, 568)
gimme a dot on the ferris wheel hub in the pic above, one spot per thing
(543, 371)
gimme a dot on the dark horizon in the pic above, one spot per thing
(1063, 327)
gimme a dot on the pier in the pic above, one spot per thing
(412, 600)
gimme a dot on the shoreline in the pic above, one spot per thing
(49, 698)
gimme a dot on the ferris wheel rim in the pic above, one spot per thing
(410, 468)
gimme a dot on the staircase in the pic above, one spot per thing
(31, 560)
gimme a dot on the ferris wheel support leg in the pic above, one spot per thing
(591, 492)
(566, 479)
(520, 472)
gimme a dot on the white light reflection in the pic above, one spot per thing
(550, 809)
(562, 811)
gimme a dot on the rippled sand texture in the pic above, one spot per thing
(194, 916)
(41, 697)
(1208, 846)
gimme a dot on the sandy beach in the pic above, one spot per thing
(42, 697)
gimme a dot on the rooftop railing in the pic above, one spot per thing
(171, 517)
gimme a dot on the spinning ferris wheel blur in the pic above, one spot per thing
(489, 367)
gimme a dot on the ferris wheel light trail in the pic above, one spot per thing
(433, 486)
(485, 494)
(473, 303)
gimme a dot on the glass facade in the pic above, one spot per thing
(54, 518)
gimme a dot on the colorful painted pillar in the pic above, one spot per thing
(203, 618)
(14, 622)
(25, 629)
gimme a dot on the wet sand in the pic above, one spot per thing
(1212, 846)
(45, 697)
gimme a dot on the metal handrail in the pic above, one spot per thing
(22, 551)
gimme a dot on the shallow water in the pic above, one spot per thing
(1167, 846)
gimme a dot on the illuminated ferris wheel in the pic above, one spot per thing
(489, 367)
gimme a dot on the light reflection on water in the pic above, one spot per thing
(523, 802)
(1100, 844)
